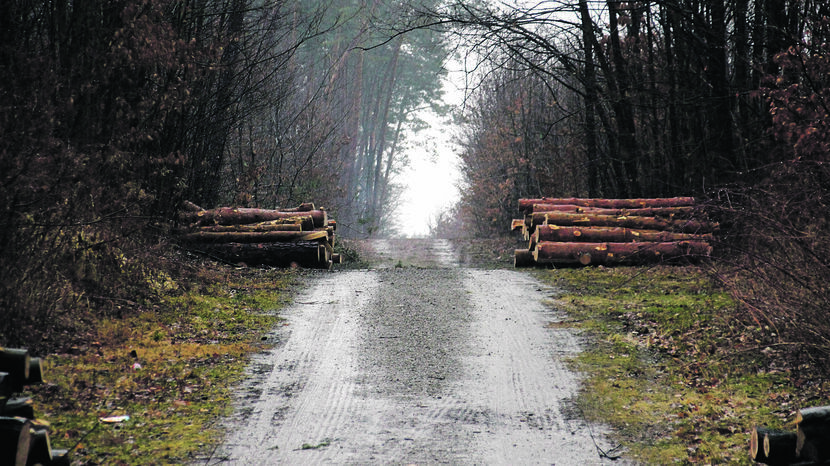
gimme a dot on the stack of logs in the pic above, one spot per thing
(810, 444)
(24, 440)
(578, 231)
(301, 236)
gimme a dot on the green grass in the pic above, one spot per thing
(192, 348)
(670, 367)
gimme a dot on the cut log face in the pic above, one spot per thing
(15, 439)
(523, 258)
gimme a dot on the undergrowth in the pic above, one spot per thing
(169, 368)
(671, 368)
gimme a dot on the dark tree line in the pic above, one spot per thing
(652, 98)
(726, 100)
(114, 112)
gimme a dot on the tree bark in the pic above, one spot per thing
(302, 253)
(610, 234)
(242, 215)
(523, 258)
(813, 434)
(643, 223)
(526, 204)
(616, 253)
(15, 439)
(254, 237)
(679, 211)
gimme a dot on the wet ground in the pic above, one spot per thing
(415, 360)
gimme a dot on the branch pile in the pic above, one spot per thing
(579, 231)
(301, 236)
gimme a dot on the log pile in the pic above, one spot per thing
(809, 444)
(301, 236)
(581, 231)
(24, 440)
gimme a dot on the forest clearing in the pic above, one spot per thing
(119, 118)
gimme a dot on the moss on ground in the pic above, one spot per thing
(169, 368)
(672, 368)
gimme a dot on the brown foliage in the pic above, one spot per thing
(776, 254)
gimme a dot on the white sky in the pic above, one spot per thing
(432, 178)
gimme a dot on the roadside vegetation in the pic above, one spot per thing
(675, 368)
(162, 372)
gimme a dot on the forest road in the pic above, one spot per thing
(414, 360)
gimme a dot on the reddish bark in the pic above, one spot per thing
(640, 212)
(616, 253)
(526, 204)
(243, 215)
(609, 234)
(642, 223)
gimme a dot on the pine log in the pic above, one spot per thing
(17, 363)
(779, 447)
(523, 258)
(283, 254)
(526, 204)
(191, 207)
(264, 226)
(19, 407)
(517, 224)
(616, 253)
(304, 207)
(813, 435)
(640, 212)
(40, 448)
(610, 234)
(772, 446)
(641, 223)
(15, 439)
(254, 237)
(243, 215)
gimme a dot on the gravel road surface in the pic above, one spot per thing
(414, 361)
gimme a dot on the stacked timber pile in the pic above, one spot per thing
(24, 440)
(809, 444)
(578, 231)
(301, 236)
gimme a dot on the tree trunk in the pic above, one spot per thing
(610, 234)
(523, 258)
(15, 439)
(644, 211)
(616, 253)
(254, 237)
(302, 253)
(242, 215)
(642, 223)
(262, 227)
(526, 204)
(813, 434)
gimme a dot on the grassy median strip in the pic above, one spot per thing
(150, 387)
(671, 366)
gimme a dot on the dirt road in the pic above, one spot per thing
(414, 360)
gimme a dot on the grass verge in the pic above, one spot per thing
(673, 367)
(169, 366)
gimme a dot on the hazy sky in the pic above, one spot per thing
(431, 181)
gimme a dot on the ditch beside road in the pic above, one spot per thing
(415, 359)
